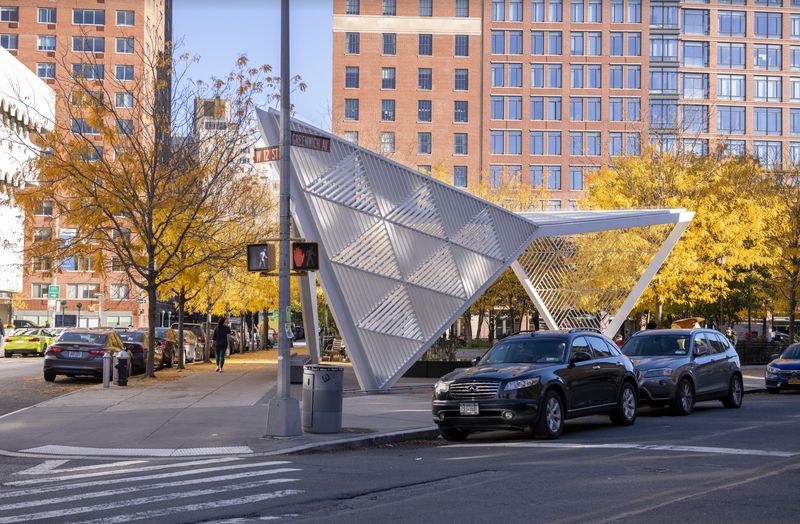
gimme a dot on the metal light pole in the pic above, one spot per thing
(283, 415)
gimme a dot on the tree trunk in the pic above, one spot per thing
(491, 326)
(792, 316)
(467, 316)
(181, 306)
(265, 323)
(659, 309)
(152, 304)
(207, 353)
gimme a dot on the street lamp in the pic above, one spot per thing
(79, 306)
(100, 297)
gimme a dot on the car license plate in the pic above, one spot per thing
(469, 408)
(795, 381)
(74, 354)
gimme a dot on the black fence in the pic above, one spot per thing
(757, 351)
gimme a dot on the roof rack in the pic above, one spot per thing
(588, 329)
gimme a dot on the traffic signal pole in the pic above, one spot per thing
(283, 415)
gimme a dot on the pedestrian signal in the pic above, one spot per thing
(305, 256)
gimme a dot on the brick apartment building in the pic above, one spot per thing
(548, 89)
(53, 38)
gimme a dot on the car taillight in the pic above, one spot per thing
(202, 341)
(96, 352)
(34, 339)
(9, 340)
(54, 349)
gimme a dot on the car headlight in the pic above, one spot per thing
(523, 383)
(773, 370)
(442, 387)
(658, 372)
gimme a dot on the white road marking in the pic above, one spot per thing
(642, 447)
(751, 377)
(154, 514)
(147, 487)
(121, 471)
(123, 480)
(61, 513)
(246, 520)
(51, 466)
(138, 452)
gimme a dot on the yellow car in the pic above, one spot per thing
(27, 341)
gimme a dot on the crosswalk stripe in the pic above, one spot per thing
(154, 514)
(107, 482)
(52, 467)
(121, 471)
(633, 446)
(147, 487)
(62, 513)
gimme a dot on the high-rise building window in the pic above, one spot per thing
(767, 25)
(387, 110)
(767, 121)
(615, 77)
(575, 143)
(426, 45)
(514, 75)
(537, 11)
(663, 16)
(498, 42)
(663, 114)
(388, 78)
(554, 43)
(88, 16)
(9, 14)
(767, 88)
(351, 108)
(537, 42)
(554, 75)
(46, 15)
(46, 43)
(767, 153)
(576, 43)
(594, 43)
(514, 107)
(126, 18)
(389, 44)
(634, 76)
(461, 80)
(767, 56)
(496, 142)
(615, 144)
(537, 142)
(498, 75)
(730, 87)
(125, 46)
(424, 143)
(554, 108)
(95, 72)
(536, 176)
(794, 58)
(424, 110)
(460, 111)
(123, 73)
(732, 23)
(537, 107)
(389, 7)
(695, 54)
(46, 70)
(695, 86)
(352, 43)
(555, 11)
(387, 142)
(351, 136)
(593, 112)
(576, 178)
(460, 176)
(794, 156)
(634, 109)
(352, 7)
(351, 79)
(634, 44)
(634, 11)
(695, 119)
(10, 42)
(794, 89)
(593, 143)
(515, 42)
(694, 21)
(498, 10)
(664, 48)
(460, 144)
(88, 44)
(730, 55)
(425, 7)
(576, 108)
(123, 99)
(425, 78)
(617, 11)
(462, 8)
(554, 177)
(594, 76)
(730, 120)
(514, 142)
(615, 109)
(617, 44)
(554, 143)
(515, 10)
(576, 11)
(497, 107)
(537, 75)
(633, 144)
(576, 76)
(595, 13)
(461, 45)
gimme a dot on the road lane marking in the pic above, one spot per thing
(146, 487)
(633, 446)
(52, 466)
(61, 513)
(106, 482)
(154, 514)
(53, 449)
(122, 471)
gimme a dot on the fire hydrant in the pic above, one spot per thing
(122, 368)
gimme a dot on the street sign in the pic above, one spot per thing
(261, 257)
(320, 143)
(305, 256)
(266, 154)
(53, 291)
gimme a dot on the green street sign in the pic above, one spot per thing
(63, 303)
(53, 291)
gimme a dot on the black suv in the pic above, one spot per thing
(538, 379)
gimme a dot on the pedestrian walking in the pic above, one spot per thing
(221, 333)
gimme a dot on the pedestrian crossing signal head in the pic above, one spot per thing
(261, 257)
(305, 256)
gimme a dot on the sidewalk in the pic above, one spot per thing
(200, 412)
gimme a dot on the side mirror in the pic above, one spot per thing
(475, 361)
(774, 356)
(580, 356)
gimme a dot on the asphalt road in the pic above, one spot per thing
(717, 465)
(21, 384)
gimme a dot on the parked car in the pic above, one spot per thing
(167, 338)
(537, 379)
(21, 324)
(27, 341)
(784, 370)
(138, 344)
(198, 330)
(679, 367)
(189, 346)
(80, 352)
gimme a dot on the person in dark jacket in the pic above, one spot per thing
(221, 342)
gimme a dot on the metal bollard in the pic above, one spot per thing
(122, 368)
(106, 369)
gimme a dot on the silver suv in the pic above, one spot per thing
(679, 367)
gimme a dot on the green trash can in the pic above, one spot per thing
(322, 399)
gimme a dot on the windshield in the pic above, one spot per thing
(527, 351)
(657, 345)
(131, 336)
(86, 338)
(792, 353)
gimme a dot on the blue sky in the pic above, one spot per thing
(219, 31)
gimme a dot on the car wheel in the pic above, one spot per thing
(625, 412)
(7, 354)
(735, 393)
(454, 434)
(684, 398)
(551, 420)
(44, 349)
(49, 377)
(774, 391)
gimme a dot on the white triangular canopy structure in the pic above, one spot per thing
(403, 255)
